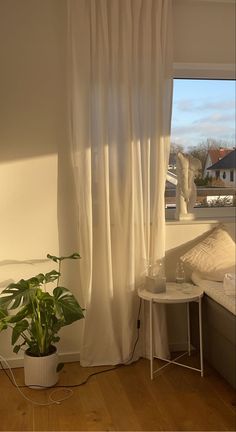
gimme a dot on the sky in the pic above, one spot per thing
(203, 109)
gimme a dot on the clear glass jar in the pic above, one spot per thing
(155, 279)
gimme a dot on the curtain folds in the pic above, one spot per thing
(120, 87)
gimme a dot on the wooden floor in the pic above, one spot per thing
(124, 399)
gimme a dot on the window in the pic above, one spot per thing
(203, 125)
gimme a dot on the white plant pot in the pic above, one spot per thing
(41, 371)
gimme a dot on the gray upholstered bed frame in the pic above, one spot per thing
(219, 337)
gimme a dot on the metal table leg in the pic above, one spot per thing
(188, 323)
(200, 334)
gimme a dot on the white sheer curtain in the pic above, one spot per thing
(120, 103)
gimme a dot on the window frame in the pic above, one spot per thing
(205, 71)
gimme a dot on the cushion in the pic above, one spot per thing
(215, 290)
(212, 257)
(229, 284)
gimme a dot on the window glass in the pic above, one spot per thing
(203, 125)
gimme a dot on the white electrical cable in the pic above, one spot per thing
(51, 399)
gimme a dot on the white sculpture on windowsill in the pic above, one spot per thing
(187, 168)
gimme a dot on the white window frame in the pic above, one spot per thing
(205, 71)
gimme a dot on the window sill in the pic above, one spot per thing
(206, 215)
(200, 221)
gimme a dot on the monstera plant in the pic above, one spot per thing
(39, 315)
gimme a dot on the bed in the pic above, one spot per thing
(219, 328)
(212, 265)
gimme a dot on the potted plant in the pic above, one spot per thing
(37, 320)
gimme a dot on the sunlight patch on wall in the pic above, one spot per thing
(28, 208)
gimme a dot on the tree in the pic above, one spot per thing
(175, 148)
(200, 151)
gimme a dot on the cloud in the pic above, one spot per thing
(203, 113)
(216, 117)
(227, 104)
(189, 105)
(200, 130)
(186, 105)
(203, 128)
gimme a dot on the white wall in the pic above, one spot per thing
(28, 204)
(204, 31)
(32, 115)
(227, 180)
(37, 212)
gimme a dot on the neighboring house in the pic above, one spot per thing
(213, 156)
(225, 169)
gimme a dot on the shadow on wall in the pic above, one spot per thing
(173, 255)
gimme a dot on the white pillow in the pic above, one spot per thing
(212, 257)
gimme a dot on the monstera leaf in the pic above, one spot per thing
(15, 295)
(39, 315)
(25, 311)
(3, 319)
(20, 327)
(51, 276)
(58, 259)
(67, 306)
(20, 293)
(3, 313)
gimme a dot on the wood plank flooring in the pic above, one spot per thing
(124, 399)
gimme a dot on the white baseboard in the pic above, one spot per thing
(13, 362)
(63, 357)
(69, 357)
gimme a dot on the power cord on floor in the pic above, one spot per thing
(67, 387)
(13, 381)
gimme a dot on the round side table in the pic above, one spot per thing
(175, 293)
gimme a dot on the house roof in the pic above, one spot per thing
(227, 162)
(170, 185)
(218, 154)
